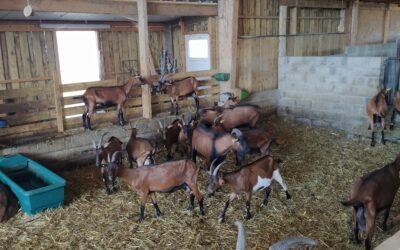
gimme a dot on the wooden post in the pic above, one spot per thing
(293, 21)
(211, 32)
(146, 62)
(354, 22)
(228, 16)
(282, 30)
(58, 99)
(182, 43)
(386, 24)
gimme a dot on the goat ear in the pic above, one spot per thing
(221, 179)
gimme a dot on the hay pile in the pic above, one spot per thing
(319, 167)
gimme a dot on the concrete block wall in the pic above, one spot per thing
(327, 91)
(267, 100)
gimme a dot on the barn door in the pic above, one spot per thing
(197, 52)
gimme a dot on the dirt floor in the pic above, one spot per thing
(318, 166)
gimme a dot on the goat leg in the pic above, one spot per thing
(392, 119)
(172, 107)
(201, 206)
(108, 190)
(84, 120)
(88, 126)
(266, 197)
(370, 214)
(248, 199)
(373, 139)
(385, 218)
(191, 201)
(383, 137)
(395, 221)
(177, 107)
(222, 216)
(154, 201)
(121, 120)
(141, 216)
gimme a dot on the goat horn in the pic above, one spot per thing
(212, 165)
(183, 120)
(236, 133)
(217, 118)
(114, 156)
(94, 144)
(159, 122)
(101, 139)
(217, 168)
(108, 158)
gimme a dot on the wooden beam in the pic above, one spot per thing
(331, 4)
(282, 30)
(293, 21)
(354, 22)
(228, 15)
(386, 25)
(120, 8)
(146, 69)
(182, 43)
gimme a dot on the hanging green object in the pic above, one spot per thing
(244, 94)
(221, 77)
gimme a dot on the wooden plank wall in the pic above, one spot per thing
(27, 64)
(258, 63)
(118, 46)
(315, 45)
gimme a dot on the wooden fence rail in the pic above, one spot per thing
(56, 107)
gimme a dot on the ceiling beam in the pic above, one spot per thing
(121, 8)
(325, 4)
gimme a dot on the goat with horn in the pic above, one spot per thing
(108, 96)
(253, 177)
(139, 149)
(167, 177)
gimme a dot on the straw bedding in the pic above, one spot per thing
(318, 166)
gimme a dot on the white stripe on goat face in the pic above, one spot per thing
(261, 184)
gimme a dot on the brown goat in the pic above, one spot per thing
(108, 96)
(177, 133)
(396, 109)
(207, 116)
(237, 116)
(167, 177)
(372, 194)
(212, 145)
(376, 110)
(253, 177)
(232, 101)
(8, 203)
(140, 150)
(180, 88)
(113, 144)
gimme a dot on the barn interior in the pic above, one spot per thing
(310, 65)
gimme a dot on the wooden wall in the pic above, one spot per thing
(119, 46)
(27, 65)
(25, 55)
(315, 45)
(258, 17)
(258, 63)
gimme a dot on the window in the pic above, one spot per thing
(198, 48)
(197, 52)
(78, 56)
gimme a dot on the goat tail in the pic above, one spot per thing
(291, 242)
(360, 216)
(241, 239)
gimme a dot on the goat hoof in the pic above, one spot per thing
(356, 241)
(108, 191)
(139, 219)
(248, 216)
(384, 142)
(202, 212)
(221, 219)
(372, 144)
(263, 205)
(288, 196)
(391, 127)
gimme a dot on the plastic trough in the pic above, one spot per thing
(36, 187)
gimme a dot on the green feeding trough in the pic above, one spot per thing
(223, 77)
(36, 187)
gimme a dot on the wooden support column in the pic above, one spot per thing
(58, 96)
(293, 21)
(386, 24)
(282, 30)
(146, 62)
(228, 15)
(182, 43)
(354, 22)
